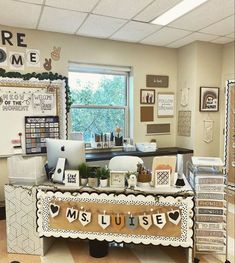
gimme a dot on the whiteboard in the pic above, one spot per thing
(19, 99)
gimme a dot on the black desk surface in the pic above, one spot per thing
(107, 155)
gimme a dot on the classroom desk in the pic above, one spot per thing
(30, 226)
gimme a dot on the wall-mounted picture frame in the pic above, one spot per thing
(209, 99)
(117, 179)
(147, 96)
(165, 104)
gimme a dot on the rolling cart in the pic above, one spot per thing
(209, 182)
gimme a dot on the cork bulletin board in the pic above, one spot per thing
(176, 228)
(18, 99)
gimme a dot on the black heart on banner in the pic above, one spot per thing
(174, 215)
(54, 208)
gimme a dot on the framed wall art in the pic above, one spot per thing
(147, 96)
(209, 99)
(117, 179)
(165, 104)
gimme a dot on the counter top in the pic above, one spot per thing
(107, 155)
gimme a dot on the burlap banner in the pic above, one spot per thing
(121, 218)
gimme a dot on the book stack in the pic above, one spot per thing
(210, 210)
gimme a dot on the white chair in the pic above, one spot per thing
(124, 163)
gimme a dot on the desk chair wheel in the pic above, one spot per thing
(196, 260)
(227, 261)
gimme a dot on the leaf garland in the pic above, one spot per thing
(41, 76)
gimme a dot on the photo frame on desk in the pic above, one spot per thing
(71, 178)
(117, 179)
(165, 163)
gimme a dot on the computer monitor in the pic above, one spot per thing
(72, 151)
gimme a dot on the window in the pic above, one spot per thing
(100, 96)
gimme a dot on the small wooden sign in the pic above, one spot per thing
(157, 81)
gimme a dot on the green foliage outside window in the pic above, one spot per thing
(96, 92)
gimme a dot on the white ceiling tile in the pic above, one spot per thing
(13, 13)
(191, 38)
(125, 9)
(221, 28)
(155, 9)
(59, 20)
(77, 5)
(100, 26)
(165, 36)
(39, 2)
(222, 40)
(206, 14)
(134, 31)
(232, 35)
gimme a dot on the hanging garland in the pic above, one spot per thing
(42, 76)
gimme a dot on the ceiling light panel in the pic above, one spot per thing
(206, 14)
(165, 36)
(13, 13)
(125, 9)
(191, 38)
(134, 31)
(78, 5)
(177, 11)
(221, 28)
(59, 20)
(155, 9)
(100, 26)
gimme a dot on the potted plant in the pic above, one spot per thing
(103, 174)
(83, 173)
(118, 138)
(92, 177)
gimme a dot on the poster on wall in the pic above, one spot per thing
(209, 99)
(165, 104)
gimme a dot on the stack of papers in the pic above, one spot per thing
(146, 147)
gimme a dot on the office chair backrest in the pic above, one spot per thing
(124, 163)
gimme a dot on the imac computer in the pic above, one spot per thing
(64, 154)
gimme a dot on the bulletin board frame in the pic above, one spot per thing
(12, 121)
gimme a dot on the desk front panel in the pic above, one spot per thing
(169, 218)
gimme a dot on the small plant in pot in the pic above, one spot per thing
(103, 174)
(83, 173)
(92, 177)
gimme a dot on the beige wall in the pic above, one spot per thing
(204, 64)
(194, 65)
(187, 65)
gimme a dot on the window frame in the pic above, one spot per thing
(106, 70)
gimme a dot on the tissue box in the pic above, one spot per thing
(146, 147)
(27, 171)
